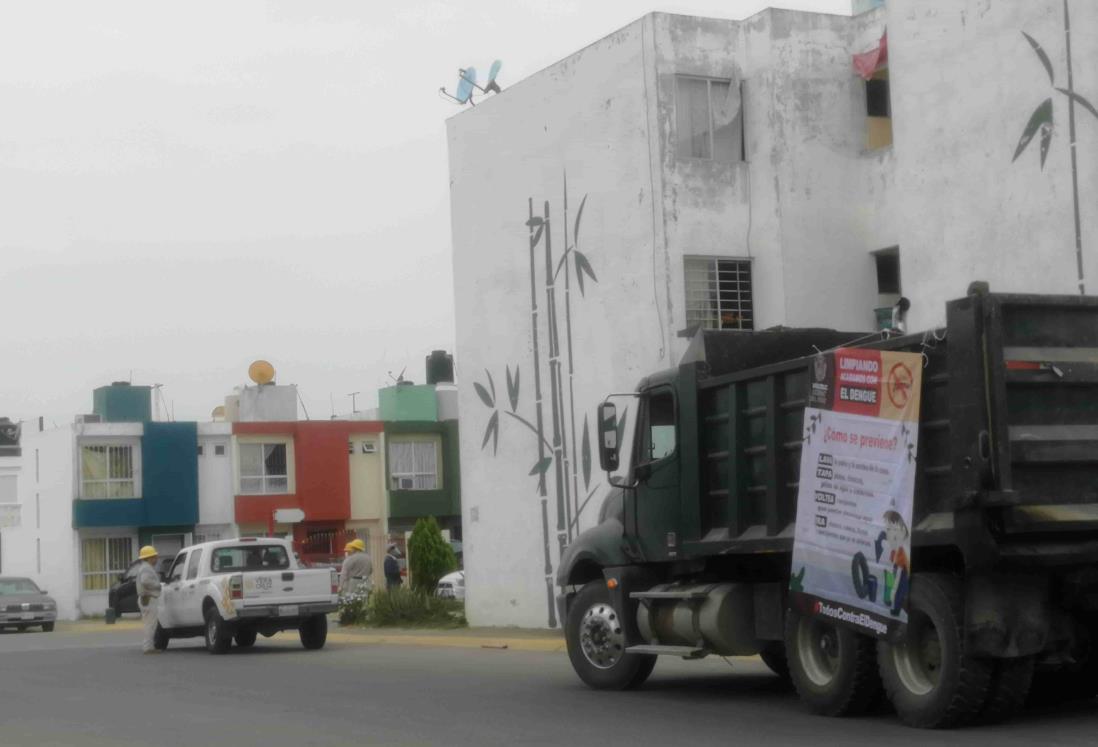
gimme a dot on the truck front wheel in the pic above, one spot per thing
(218, 636)
(930, 677)
(595, 635)
(834, 669)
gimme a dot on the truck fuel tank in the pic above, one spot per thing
(717, 617)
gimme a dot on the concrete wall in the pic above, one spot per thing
(215, 475)
(965, 83)
(263, 404)
(367, 478)
(44, 546)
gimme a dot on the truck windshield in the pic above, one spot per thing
(249, 558)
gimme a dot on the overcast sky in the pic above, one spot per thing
(187, 187)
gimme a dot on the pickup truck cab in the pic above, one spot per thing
(237, 589)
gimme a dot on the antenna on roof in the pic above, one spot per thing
(467, 81)
(399, 377)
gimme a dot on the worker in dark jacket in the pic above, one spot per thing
(392, 568)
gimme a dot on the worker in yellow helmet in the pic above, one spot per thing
(148, 596)
(358, 570)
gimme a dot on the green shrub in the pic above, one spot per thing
(430, 556)
(413, 608)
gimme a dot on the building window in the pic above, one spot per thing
(888, 285)
(708, 119)
(263, 469)
(413, 465)
(878, 111)
(219, 450)
(718, 293)
(103, 559)
(200, 450)
(107, 472)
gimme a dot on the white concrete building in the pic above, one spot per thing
(735, 174)
(216, 515)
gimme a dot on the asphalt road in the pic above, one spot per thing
(93, 687)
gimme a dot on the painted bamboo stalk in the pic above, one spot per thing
(554, 383)
(535, 236)
(573, 524)
(1074, 157)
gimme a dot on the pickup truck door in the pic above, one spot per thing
(653, 525)
(190, 604)
(172, 592)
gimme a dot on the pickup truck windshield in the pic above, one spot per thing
(249, 558)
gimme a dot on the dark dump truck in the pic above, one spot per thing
(692, 553)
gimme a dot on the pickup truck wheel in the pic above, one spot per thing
(314, 632)
(596, 643)
(833, 669)
(245, 638)
(160, 638)
(932, 681)
(218, 636)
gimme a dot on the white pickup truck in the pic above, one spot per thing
(236, 589)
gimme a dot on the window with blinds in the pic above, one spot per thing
(107, 472)
(103, 559)
(708, 119)
(718, 293)
(413, 465)
(263, 469)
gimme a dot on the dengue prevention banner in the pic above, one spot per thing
(852, 547)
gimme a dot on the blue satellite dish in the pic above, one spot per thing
(491, 85)
(465, 86)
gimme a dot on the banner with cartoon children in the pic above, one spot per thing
(852, 547)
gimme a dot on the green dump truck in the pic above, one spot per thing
(692, 553)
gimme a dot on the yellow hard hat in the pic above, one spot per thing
(348, 547)
(148, 551)
(357, 544)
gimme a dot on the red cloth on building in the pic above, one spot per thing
(866, 63)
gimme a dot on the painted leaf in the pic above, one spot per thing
(586, 454)
(1042, 116)
(1046, 142)
(541, 466)
(533, 222)
(583, 266)
(576, 225)
(492, 432)
(483, 394)
(537, 236)
(1079, 100)
(513, 388)
(1041, 54)
(492, 384)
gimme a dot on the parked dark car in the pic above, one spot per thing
(23, 604)
(123, 595)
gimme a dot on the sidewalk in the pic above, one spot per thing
(512, 639)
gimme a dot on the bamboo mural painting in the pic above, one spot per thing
(1042, 122)
(568, 464)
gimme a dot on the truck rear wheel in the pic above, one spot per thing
(596, 643)
(773, 656)
(932, 681)
(1008, 689)
(245, 637)
(314, 632)
(834, 669)
(218, 636)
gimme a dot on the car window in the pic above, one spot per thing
(177, 567)
(192, 567)
(249, 558)
(18, 586)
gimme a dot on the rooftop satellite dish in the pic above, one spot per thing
(218, 413)
(261, 372)
(467, 82)
(491, 85)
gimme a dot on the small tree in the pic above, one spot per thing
(430, 556)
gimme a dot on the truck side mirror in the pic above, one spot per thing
(608, 436)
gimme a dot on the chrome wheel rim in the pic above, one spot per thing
(211, 631)
(601, 638)
(820, 651)
(918, 657)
